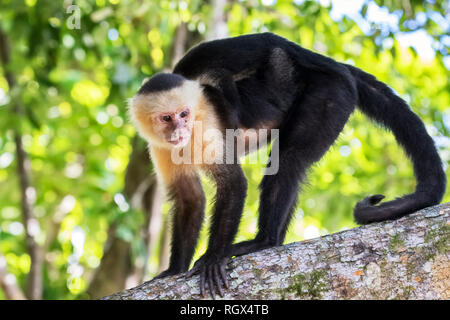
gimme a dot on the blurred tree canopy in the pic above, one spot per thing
(68, 68)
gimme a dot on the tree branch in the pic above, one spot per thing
(116, 266)
(8, 282)
(403, 259)
(218, 25)
(34, 285)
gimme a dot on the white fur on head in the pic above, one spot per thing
(143, 108)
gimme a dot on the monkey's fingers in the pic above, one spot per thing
(199, 269)
(212, 289)
(195, 269)
(202, 283)
(164, 274)
(223, 275)
(217, 280)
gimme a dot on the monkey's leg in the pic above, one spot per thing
(221, 90)
(189, 203)
(305, 137)
(230, 198)
(277, 202)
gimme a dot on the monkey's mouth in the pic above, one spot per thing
(177, 141)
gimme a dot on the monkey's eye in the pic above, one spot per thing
(166, 118)
(184, 114)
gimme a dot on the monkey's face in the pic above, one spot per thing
(166, 118)
(174, 127)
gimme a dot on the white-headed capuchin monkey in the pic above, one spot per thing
(264, 81)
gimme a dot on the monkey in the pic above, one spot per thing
(259, 81)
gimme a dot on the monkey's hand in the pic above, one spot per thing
(212, 271)
(166, 273)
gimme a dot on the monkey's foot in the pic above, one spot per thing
(166, 273)
(249, 246)
(212, 271)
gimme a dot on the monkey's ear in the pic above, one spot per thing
(129, 107)
(134, 106)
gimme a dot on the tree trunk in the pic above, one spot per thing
(27, 192)
(8, 283)
(403, 259)
(116, 266)
(144, 194)
(218, 28)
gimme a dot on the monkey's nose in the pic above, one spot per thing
(176, 141)
(175, 135)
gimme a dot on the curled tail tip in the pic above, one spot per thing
(360, 211)
(370, 200)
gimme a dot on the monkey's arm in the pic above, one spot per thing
(230, 197)
(220, 88)
(184, 189)
(188, 205)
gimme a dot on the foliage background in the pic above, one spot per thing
(72, 86)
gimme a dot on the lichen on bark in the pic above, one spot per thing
(403, 259)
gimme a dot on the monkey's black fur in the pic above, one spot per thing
(263, 78)
(161, 82)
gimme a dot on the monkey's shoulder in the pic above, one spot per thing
(236, 54)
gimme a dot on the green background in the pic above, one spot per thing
(72, 87)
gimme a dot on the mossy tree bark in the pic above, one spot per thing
(403, 259)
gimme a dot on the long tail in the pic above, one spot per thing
(380, 103)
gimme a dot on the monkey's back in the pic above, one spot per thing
(263, 76)
(234, 54)
(275, 71)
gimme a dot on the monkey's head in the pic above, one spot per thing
(163, 110)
